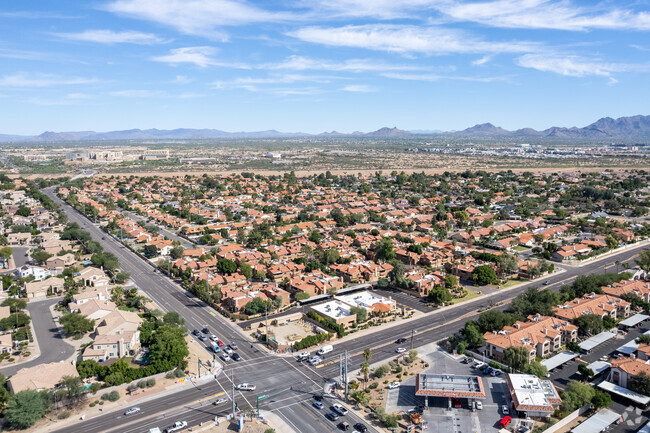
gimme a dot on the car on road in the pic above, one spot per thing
(220, 343)
(547, 282)
(505, 421)
(233, 345)
(205, 330)
(318, 397)
(505, 410)
(134, 409)
(213, 337)
(224, 357)
(178, 425)
(215, 348)
(361, 427)
(400, 350)
(245, 387)
(202, 337)
(393, 385)
(339, 409)
(400, 340)
(305, 354)
(196, 332)
(236, 356)
(228, 350)
(315, 360)
(220, 400)
(332, 416)
(343, 425)
(318, 405)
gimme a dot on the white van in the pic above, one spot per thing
(325, 349)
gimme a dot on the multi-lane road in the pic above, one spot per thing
(288, 384)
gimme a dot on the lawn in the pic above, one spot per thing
(521, 248)
(511, 283)
(470, 294)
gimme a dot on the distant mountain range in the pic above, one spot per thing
(633, 127)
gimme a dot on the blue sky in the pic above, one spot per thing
(320, 65)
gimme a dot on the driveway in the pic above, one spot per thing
(50, 340)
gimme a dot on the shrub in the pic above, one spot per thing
(94, 387)
(374, 385)
(311, 340)
(494, 364)
(63, 415)
(178, 373)
(151, 382)
(379, 372)
(111, 396)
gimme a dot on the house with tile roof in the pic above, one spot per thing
(624, 368)
(600, 305)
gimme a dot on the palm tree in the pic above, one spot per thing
(617, 263)
(365, 370)
(367, 354)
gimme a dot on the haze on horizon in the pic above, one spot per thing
(318, 65)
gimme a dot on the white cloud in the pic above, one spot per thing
(404, 39)
(545, 14)
(246, 82)
(380, 9)
(137, 93)
(111, 37)
(435, 78)
(358, 88)
(197, 17)
(42, 80)
(182, 79)
(483, 60)
(199, 56)
(69, 99)
(573, 66)
(299, 63)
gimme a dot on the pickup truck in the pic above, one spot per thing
(178, 425)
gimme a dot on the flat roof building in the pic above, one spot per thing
(448, 386)
(370, 301)
(337, 311)
(531, 396)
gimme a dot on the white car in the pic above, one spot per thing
(400, 350)
(228, 350)
(245, 387)
(479, 405)
(225, 357)
(178, 425)
(505, 410)
(133, 410)
(304, 354)
(393, 385)
(213, 337)
(340, 409)
(315, 360)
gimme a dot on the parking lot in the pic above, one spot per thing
(457, 420)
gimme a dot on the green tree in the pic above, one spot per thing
(301, 296)
(367, 354)
(16, 320)
(484, 274)
(644, 260)
(362, 313)
(176, 252)
(14, 304)
(589, 324)
(601, 399)
(6, 252)
(439, 295)
(573, 347)
(173, 318)
(24, 409)
(226, 266)
(76, 324)
(473, 334)
(121, 277)
(495, 320)
(23, 211)
(516, 357)
(246, 270)
(361, 397)
(384, 250)
(40, 256)
(576, 395)
(640, 383)
(537, 369)
(150, 251)
(451, 281)
(168, 348)
(364, 368)
(585, 372)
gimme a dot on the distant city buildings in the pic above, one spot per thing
(95, 156)
(150, 155)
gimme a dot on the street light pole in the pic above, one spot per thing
(412, 335)
(266, 313)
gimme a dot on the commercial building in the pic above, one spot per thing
(449, 386)
(370, 301)
(149, 155)
(96, 156)
(337, 311)
(532, 397)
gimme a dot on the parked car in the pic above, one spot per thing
(479, 405)
(245, 387)
(505, 410)
(456, 402)
(318, 405)
(393, 385)
(133, 410)
(505, 421)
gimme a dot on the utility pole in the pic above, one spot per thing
(412, 335)
(266, 313)
(346, 374)
(234, 407)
